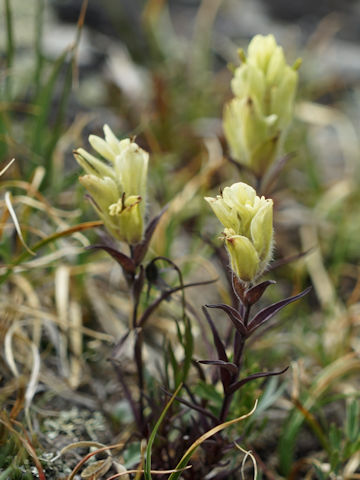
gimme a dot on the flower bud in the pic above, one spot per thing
(261, 50)
(243, 256)
(248, 232)
(117, 184)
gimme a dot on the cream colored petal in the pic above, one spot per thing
(111, 139)
(249, 80)
(282, 97)
(131, 167)
(262, 231)
(115, 144)
(102, 147)
(277, 64)
(227, 216)
(240, 198)
(93, 165)
(239, 193)
(243, 257)
(254, 125)
(233, 131)
(104, 191)
(260, 50)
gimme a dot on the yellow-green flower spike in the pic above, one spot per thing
(248, 232)
(117, 184)
(256, 119)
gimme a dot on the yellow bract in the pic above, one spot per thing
(117, 184)
(255, 120)
(248, 231)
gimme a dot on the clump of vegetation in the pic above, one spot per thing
(137, 343)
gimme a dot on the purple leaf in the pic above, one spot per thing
(220, 348)
(126, 262)
(255, 293)
(141, 248)
(267, 313)
(234, 316)
(238, 287)
(230, 367)
(240, 383)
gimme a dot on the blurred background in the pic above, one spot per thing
(136, 54)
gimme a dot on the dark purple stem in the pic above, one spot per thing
(239, 345)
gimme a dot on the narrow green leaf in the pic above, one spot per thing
(147, 471)
(174, 365)
(330, 374)
(10, 48)
(352, 421)
(39, 59)
(56, 130)
(44, 105)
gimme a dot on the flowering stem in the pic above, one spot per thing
(239, 345)
(140, 374)
(247, 314)
(134, 312)
(136, 288)
(225, 408)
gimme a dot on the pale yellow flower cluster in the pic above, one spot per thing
(256, 119)
(248, 232)
(117, 184)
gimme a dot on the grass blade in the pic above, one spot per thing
(147, 472)
(10, 49)
(45, 241)
(39, 59)
(332, 373)
(191, 450)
